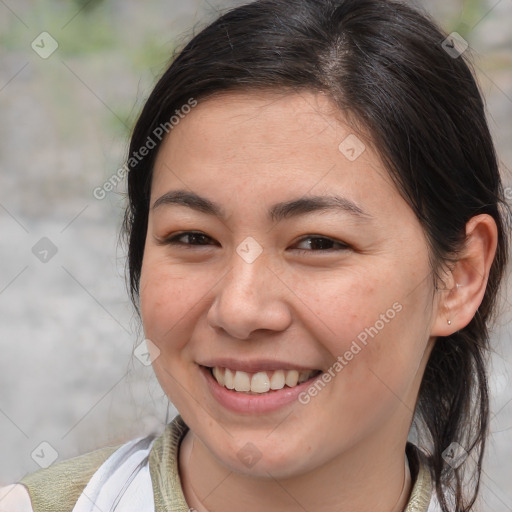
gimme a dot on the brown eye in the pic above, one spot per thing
(321, 243)
(189, 238)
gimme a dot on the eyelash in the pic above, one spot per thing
(174, 240)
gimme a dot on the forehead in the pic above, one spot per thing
(265, 120)
(294, 142)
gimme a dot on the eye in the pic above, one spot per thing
(312, 243)
(188, 238)
(322, 244)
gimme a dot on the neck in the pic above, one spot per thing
(371, 476)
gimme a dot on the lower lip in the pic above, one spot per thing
(254, 404)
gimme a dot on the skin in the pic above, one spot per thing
(344, 450)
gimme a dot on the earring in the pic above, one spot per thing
(449, 322)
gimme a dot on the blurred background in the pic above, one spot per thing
(73, 77)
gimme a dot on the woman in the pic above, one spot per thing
(316, 240)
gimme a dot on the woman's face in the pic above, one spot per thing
(304, 257)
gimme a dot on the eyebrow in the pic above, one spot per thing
(277, 212)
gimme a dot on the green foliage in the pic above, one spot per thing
(96, 44)
(88, 5)
(472, 12)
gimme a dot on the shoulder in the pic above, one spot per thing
(138, 475)
(56, 488)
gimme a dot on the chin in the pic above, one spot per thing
(265, 462)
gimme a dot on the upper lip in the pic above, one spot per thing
(254, 365)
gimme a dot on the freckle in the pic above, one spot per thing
(354, 318)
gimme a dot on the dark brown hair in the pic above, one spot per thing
(384, 64)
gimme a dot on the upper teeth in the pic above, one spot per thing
(259, 382)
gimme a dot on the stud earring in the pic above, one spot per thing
(449, 322)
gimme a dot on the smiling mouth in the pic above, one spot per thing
(260, 382)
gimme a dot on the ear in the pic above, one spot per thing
(467, 280)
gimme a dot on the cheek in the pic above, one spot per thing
(168, 296)
(373, 323)
(170, 300)
(375, 358)
(345, 305)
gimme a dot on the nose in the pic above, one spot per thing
(248, 299)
